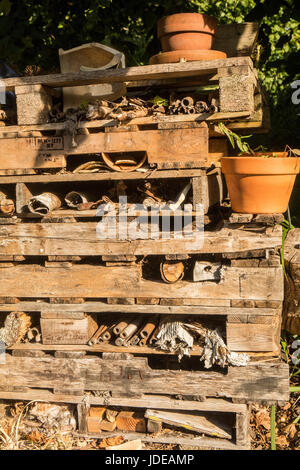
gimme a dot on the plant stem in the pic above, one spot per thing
(273, 427)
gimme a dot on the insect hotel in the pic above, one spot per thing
(129, 287)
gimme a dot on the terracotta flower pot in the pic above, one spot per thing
(260, 185)
(186, 31)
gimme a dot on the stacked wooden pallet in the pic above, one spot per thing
(56, 269)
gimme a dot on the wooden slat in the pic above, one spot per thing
(187, 69)
(102, 307)
(192, 421)
(98, 348)
(80, 239)
(180, 145)
(236, 39)
(98, 282)
(197, 442)
(255, 382)
(146, 401)
(104, 176)
(148, 120)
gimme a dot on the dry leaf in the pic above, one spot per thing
(111, 441)
(262, 418)
(282, 441)
(37, 437)
(290, 430)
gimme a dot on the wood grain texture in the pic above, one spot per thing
(33, 239)
(180, 145)
(255, 382)
(98, 282)
(187, 69)
(55, 310)
(67, 331)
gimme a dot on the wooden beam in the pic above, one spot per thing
(257, 381)
(102, 307)
(68, 239)
(98, 282)
(104, 176)
(180, 118)
(186, 69)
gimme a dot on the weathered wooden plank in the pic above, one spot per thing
(193, 422)
(33, 152)
(242, 427)
(208, 191)
(51, 310)
(181, 145)
(81, 239)
(182, 442)
(257, 381)
(186, 69)
(103, 348)
(10, 131)
(98, 282)
(236, 39)
(252, 337)
(146, 401)
(104, 176)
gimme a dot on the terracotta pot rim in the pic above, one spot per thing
(196, 18)
(260, 166)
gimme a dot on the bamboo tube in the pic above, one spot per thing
(75, 198)
(154, 335)
(130, 329)
(43, 203)
(147, 330)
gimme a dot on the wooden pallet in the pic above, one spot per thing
(236, 73)
(225, 423)
(238, 415)
(178, 147)
(262, 380)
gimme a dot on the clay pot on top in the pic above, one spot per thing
(186, 31)
(260, 185)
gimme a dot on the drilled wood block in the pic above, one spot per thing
(67, 331)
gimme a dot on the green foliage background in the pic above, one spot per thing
(32, 31)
